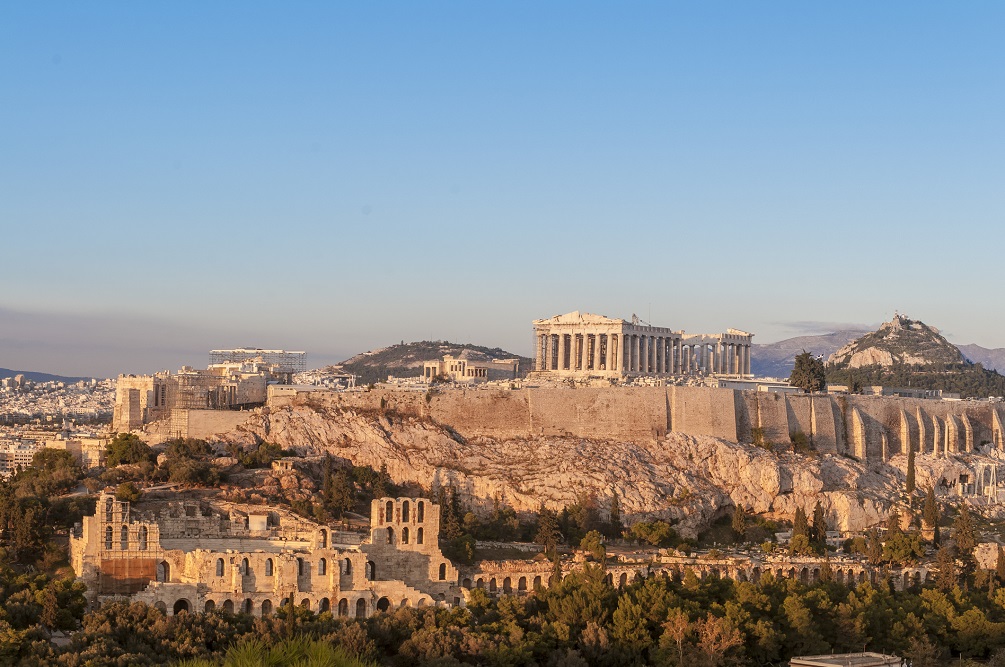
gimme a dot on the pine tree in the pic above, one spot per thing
(909, 484)
(808, 373)
(965, 537)
(1000, 564)
(946, 576)
(893, 524)
(548, 534)
(874, 548)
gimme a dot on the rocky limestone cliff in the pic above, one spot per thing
(688, 479)
(899, 341)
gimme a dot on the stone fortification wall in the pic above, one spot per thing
(867, 427)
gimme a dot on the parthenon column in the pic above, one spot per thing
(561, 352)
(596, 352)
(636, 348)
(612, 351)
(747, 366)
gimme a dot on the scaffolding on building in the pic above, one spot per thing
(283, 361)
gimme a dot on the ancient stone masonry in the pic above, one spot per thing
(196, 556)
(870, 428)
(587, 345)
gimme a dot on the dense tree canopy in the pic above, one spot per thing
(808, 373)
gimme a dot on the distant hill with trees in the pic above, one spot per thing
(39, 377)
(406, 359)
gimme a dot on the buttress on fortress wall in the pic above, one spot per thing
(196, 556)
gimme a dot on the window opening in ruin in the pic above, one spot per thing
(420, 512)
(268, 567)
(371, 570)
(108, 510)
(163, 571)
(361, 608)
(180, 606)
(324, 538)
(143, 538)
(108, 538)
(443, 572)
(245, 568)
(466, 583)
(521, 584)
(404, 511)
(210, 606)
(219, 567)
(390, 535)
(348, 566)
(322, 566)
(161, 607)
(266, 607)
(124, 538)
(389, 511)
(305, 603)
(228, 606)
(492, 585)
(248, 606)
(383, 604)
(404, 535)
(300, 567)
(418, 536)
(343, 607)
(324, 605)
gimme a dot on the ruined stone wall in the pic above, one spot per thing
(867, 427)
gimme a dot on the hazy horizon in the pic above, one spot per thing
(339, 178)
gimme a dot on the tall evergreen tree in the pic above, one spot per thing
(615, 525)
(965, 538)
(739, 522)
(799, 524)
(1000, 564)
(930, 514)
(909, 484)
(808, 373)
(819, 534)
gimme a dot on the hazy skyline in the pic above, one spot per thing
(337, 178)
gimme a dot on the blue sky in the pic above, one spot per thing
(340, 176)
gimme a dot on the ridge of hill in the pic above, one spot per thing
(406, 359)
(35, 376)
(909, 353)
(777, 359)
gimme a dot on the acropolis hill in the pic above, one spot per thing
(681, 452)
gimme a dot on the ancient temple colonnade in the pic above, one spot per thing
(583, 344)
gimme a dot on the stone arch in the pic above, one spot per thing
(160, 606)
(521, 584)
(383, 604)
(300, 567)
(108, 510)
(348, 566)
(404, 535)
(404, 512)
(124, 538)
(623, 580)
(210, 606)
(268, 567)
(443, 572)
(180, 606)
(370, 572)
(404, 603)
(741, 575)
(804, 576)
(389, 511)
(755, 574)
(343, 607)
(466, 583)
(219, 567)
(248, 606)
(420, 512)
(163, 571)
(390, 535)
(143, 538)
(305, 603)
(537, 583)
(361, 608)
(480, 583)
(228, 606)
(324, 538)
(108, 538)
(815, 575)
(323, 566)
(507, 585)
(418, 535)
(266, 607)
(324, 605)
(492, 585)
(245, 567)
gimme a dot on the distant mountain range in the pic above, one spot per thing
(777, 359)
(39, 377)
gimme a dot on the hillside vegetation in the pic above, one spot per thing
(406, 359)
(909, 353)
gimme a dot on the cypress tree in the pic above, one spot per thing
(799, 524)
(909, 484)
(739, 521)
(615, 525)
(819, 526)
(1000, 564)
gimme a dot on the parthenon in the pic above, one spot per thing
(586, 345)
